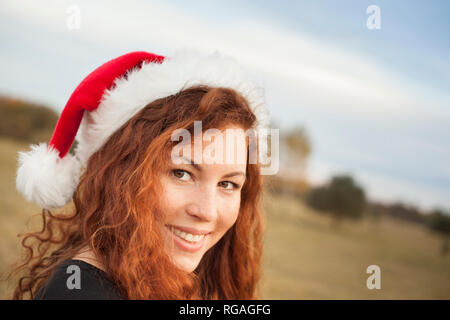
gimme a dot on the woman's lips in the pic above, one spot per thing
(190, 230)
(186, 245)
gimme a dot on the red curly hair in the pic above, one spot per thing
(117, 211)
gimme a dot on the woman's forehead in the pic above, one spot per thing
(226, 146)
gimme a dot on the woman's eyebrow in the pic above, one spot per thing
(232, 174)
(228, 175)
(196, 166)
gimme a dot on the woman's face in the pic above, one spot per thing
(201, 202)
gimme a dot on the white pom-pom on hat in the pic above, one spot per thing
(46, 179)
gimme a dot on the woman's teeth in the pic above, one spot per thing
(187, 236)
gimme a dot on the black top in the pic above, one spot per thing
(78, 280)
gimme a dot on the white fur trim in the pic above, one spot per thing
(46, 179)
(154, 81)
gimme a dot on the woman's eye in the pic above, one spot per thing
(181, 174)
(229, 185)
(184, 175)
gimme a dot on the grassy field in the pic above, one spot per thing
(305, 257)
(14, 211)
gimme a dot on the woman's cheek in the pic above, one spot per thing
(231, 215)
(174, 196)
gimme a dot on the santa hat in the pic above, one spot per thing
(110, 96)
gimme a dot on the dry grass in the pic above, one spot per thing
(305, 258)
(15, 213)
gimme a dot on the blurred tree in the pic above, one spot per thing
(299, 148)
(440, 222)
(26, 121)
(295, 149)
(341, 197)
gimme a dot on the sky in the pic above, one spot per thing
(375, 102)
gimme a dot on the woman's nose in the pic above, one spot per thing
(203, 204)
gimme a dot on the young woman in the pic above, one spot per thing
(146, 224)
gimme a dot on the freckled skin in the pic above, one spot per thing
(202, 200)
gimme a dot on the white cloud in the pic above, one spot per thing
(330, 77)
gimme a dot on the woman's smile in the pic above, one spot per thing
(188, 239)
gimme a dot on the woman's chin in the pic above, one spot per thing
(185, 264)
